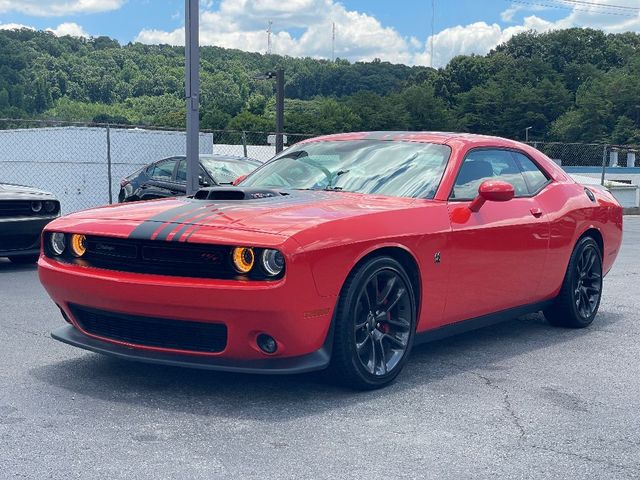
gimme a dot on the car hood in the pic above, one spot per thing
(284, 214)
(17, 192)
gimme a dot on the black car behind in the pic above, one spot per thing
(24, 212)
(168, 177)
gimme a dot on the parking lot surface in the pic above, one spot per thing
(518, 400)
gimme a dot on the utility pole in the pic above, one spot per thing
(269, 31)
(279, 110)
(278, 76)
(192, 90)
(433, 26)
(333, 43)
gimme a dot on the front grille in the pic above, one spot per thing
(19, 242)
(23, 208)
(152, 332)
(15, 208)
(158, 257)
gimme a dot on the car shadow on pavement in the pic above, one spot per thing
(7, 266)
(280, 398)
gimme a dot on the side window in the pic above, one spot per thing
(181, 173)
(163, 170)
(533, 176)
(481, 165)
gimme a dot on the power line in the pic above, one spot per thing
(574, 8)
(596, 4)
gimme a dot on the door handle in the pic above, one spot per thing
(536, 212)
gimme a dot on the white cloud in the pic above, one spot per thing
(69, 28)
(480, 37)
(59, 7)
(303, 28)
(242, 24)
(14, 26)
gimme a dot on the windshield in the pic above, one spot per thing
(394, 168)
(225, 171)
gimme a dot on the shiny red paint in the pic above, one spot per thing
(506, 254)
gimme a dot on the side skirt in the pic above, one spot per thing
(478, 322)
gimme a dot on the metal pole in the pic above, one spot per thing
(604, 164)
(279, 110)
(244, 143)
(109, 173)
(192, 68)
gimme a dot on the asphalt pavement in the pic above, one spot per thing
(520, 400)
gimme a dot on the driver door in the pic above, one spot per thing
(497, 254)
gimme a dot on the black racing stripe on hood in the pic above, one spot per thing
(189, 216)
(145, 230)
(191, 223)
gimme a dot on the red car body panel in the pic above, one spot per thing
(469, 264)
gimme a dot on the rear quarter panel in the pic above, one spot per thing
(571, 213)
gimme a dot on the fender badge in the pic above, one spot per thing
(316, 313)
(436, 257)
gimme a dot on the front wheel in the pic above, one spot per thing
(374, 325)
(579, 298)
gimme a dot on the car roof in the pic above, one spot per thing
(426, 137)
(232, 158)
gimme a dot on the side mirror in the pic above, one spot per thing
(239, 179)
(493, 191)
(203, 181)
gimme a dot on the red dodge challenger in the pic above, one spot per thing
(343, 251)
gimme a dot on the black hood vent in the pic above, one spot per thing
(236, 193)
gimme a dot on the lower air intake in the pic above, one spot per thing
(152, 332)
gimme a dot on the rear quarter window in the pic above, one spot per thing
(535, 178)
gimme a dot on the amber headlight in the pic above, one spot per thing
(243, 259)
(78, 245)
(272, 262)
(58, 243)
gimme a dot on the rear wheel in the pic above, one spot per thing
(577, 304)
(24, 259)
(374, 325)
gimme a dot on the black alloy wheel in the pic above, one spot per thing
(588, 282)
(375, 324)
(577, 303)
(381, 327)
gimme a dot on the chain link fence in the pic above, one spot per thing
(83, 163)
(613, 166)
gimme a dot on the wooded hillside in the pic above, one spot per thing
(569, 85)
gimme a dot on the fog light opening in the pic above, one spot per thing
(267, 343)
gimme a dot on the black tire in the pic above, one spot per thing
(577, 303)
(24, 259)
(386, 336)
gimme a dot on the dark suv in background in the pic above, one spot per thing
(168, 177)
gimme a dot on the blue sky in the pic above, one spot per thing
(394, 30)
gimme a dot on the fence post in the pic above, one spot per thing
(244, 143)
(109, 175)
(604, 164)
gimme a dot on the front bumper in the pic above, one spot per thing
(21, 236)
(317, 360)
(290, 310)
